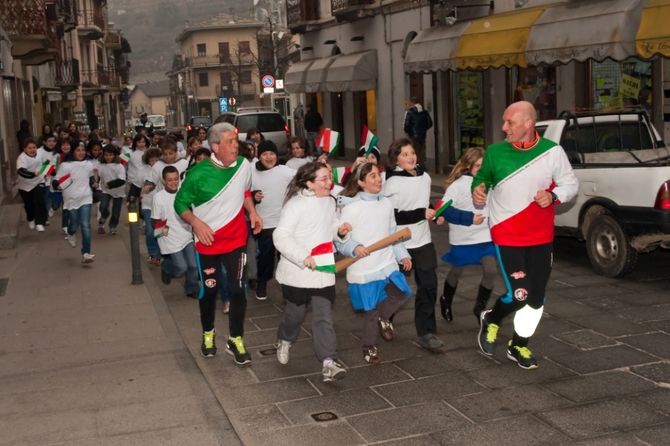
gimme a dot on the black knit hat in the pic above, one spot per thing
(267, 145)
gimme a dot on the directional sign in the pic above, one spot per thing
(268, 81)
(223, 104)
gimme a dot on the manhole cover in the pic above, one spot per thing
(323, 416)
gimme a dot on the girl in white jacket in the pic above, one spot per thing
(376, 286)
(304, 237)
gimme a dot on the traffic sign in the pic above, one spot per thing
(279, 83)
(268, 81)
(232, 101)
(223, 104)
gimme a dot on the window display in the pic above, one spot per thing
(536, 85)
(616, 85)
(469, 111)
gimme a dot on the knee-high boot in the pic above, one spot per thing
(445, 301)
(483, 296)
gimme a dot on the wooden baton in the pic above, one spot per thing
(398, 236)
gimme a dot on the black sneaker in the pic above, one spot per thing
(261, 291)
(235, 347)
(166, 278)
(208, 347)
(488, 332)
(522, 356)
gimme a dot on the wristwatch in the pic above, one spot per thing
(554, 197)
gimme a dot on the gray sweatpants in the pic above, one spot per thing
(323, 332)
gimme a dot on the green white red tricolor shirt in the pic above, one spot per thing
(513, 177)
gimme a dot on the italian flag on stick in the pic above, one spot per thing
(324, 256)
(329, 141)
(46, 168)
(65, 181)
(125, 158)
(369, 140)
(338, 174)
(440, 207)
(159, 227)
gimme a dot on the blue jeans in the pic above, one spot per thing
(81, 217)
(183, 263)
(152, 243)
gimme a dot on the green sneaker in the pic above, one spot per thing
(522, 356)
(235, 347)
(488, 332)
(208, 347)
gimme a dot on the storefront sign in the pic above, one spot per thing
(630, 86)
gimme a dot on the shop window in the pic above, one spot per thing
(469, 111)
(618, 85)
(536, 85)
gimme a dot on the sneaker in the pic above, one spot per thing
(488, 332)
(31, 224)
(101, 229)
(261, 291)
(386, 330)
(235, 346)
(71, 239)
(283, 348)
(51, 212)
(64, 229)
(208, 347)
(40, 228)
(332, 371)
(166, 278)
(522, 356)
(431, 343)
(87, 258)
(113, 231)
(225, 307)
(371, 355)
(155, 261)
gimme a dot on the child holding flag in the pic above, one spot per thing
(304, 237)
(376, 285)
(48, 153)
(113, 186)
(407, 185)
(470, 241)
(31, 171)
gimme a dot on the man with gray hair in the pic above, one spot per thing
(212, 199)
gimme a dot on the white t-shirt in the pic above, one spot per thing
(31, 164)
(179, 232)
(136, 167)
(273, 184)
(297, 163)
(110, 172)
(155, 176)
(79, 192)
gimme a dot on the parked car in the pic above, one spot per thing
(158, 121)
(268, 120)
(623, 204)
(195, 124)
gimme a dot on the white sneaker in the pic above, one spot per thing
(40, 228)
(31, 224)
(332, 370)
(64, 228)
(87, 258)
(283, 348)
(51, 212)
(72, 240)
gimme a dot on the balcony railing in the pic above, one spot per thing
(67, 73)
(91, 23)
(62, 12)
(113, 40)
(344, 6)
(100, 78)
(299, 12)
(32, 36)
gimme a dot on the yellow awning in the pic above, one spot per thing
(653, 36)
(495, 41)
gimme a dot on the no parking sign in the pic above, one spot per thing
(268, 81)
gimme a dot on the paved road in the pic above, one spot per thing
(603, 346)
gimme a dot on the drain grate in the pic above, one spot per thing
(3, 285)
(322, 417)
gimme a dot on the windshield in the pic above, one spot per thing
(265, 122)
(157, 120)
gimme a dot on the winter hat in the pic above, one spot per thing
(267, 145)
(375, 151)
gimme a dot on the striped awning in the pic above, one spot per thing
(653, 36)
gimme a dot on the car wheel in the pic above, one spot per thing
(608, 248)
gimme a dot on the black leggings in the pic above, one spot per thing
(209, 267)
(525, 270)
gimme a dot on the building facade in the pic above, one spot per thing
(151, 98)
(217, 58)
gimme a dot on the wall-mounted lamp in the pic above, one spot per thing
(357, 38)
(329, 42)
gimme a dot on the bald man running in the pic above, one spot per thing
(523, 178)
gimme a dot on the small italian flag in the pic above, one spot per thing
(324, 256)
(125, 158)
(56, 162)
(65, 181)
(338, 174)
(329, 141)
(440, 207)
(369, 140)
(159, 226)
(46, 168)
